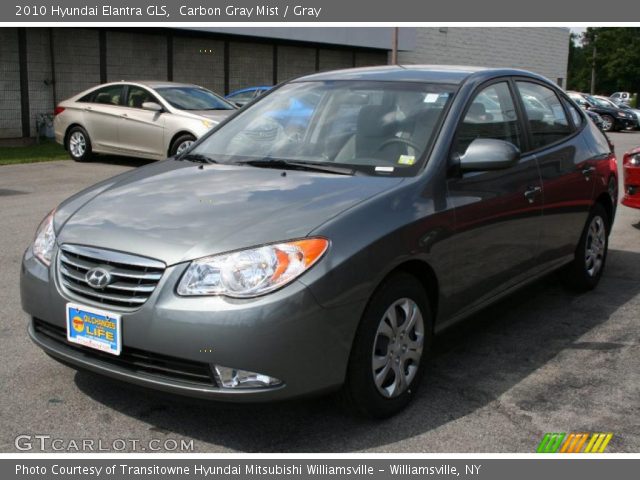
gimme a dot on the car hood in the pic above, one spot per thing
(176, 211)
(215, 115)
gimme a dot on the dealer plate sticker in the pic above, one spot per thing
(94, 328)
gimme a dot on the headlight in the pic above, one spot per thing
(252, 272)
(635, 161)
(622, 114)
(45, 239)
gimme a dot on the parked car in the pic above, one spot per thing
(597, 119)
(613, 118)
(631, 172)
(245, 95)
(624, 97)
(138, 119)
(261, 265)
(634, 111)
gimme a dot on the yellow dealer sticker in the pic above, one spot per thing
(406, 160)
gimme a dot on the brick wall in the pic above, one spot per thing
(543, 50)
(295, 61)
(368, 59)
(40, 78)
(10, 114)
(250, 64)
(335, 59)
(136, 56)
(77, 60)
(199, 61)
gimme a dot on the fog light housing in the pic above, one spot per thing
(234, 378)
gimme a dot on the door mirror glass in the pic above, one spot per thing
(153, 106)
(489, 154)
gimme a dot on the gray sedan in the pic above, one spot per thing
(321, 238)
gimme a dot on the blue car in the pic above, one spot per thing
(245, 95)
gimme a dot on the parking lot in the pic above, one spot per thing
(543, 360)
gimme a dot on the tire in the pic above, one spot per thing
(181, 143)
(361, 393)
(585, 271)
(608, 123)
(79, 144)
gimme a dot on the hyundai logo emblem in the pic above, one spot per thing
(98, 277)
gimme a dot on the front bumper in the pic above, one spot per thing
(171, 342)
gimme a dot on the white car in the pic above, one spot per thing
(149, 119)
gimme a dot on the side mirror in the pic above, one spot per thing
(489, 154)
(153, 106)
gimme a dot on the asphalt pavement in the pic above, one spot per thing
(543, 360)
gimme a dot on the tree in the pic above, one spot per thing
(617, 59)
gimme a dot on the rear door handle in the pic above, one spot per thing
(124, 115)
(531, 192)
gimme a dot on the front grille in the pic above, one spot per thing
(135, 360)
(134, 278)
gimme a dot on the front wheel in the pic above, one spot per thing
(390, 348)
(608, 123)
(585, 271)
(181, 144)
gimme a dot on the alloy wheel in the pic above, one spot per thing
(77, 144)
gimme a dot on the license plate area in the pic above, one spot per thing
(94, 328)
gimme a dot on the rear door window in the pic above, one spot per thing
(111, 95)
(547, 119)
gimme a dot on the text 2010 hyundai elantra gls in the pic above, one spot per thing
(281, 258)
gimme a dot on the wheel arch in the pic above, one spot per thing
(66, 134)
(425, 274)
(176, 136)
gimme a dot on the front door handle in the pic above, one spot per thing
(124, 115)
(587, 171)
(531, 192)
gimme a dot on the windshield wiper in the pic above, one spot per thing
(197, 157)
(297, 165)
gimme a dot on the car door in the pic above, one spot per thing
(566, 167)
(497, 213)
(102, 109)
(142, 131)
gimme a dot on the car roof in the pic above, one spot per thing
(451, 74)
(157, 83)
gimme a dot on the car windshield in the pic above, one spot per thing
(602, 103)
(368, 126)
(193, 98)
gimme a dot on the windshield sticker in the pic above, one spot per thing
(406, 160)
(431, 98)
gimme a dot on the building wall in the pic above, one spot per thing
(199, 61)
(250, 64)
(544, 50)
(295, 61)
(10, 113)
(77, 65)
(335, 59)
(136, 56)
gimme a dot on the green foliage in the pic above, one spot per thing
(617, 62)
(44, 152)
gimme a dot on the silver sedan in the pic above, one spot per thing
(150, 119)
